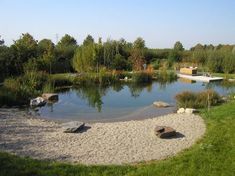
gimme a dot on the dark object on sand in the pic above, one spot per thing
(73, 127)
(164, 132)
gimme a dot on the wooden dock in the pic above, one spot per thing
(200, 78)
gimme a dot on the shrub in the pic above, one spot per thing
(166, 76)
(202, 99)
(24, 87)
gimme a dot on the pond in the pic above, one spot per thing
(124, 101)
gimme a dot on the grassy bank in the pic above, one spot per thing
(227, 76)
(213, 155)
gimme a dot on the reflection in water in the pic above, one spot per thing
(93, 95)
(136, 89)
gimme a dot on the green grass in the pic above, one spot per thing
(212, 155)
(228, 76)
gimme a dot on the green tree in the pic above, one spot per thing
(66, 47)
(88, 40)
(84, 59)
(137, 54)
(178, 46)
(99, 54)
(45, 45)
(229, 63)
(119, 62)
(24, 49)
(215, 61)
(199, 56)
(197, 47)
(109, 52)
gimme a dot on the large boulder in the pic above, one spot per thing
(73, 127)
(164, 132)
(50, 96)
(161, 104)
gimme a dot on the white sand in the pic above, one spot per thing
(100, 143)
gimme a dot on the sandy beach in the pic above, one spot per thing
(99, 143)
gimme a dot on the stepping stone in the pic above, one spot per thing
(73, 127)
(164, 131)
(50, 96)
(161, 104)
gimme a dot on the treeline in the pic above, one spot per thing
(67, 56)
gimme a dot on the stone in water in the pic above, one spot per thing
(161, 104)
(50, 96)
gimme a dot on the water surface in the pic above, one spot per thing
(121, 101)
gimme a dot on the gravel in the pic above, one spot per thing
(98, 143)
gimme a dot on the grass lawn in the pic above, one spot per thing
(229, 76)
(213, 155)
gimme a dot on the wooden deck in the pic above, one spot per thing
(200, 78)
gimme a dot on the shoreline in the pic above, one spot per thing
(143, 113)
(123, 142)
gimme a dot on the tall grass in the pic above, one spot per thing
(22, 88)
(188, 99)
(164, 75)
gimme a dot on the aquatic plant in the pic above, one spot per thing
(206, 98)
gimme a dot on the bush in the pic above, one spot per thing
(166, 76)
(202, 99)
(23, 88)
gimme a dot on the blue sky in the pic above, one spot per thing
(159, 22)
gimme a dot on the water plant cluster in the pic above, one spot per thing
(203, 99)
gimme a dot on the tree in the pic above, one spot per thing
(99, 54)
(139, 43)
(67, 40)
(1, 41)
(24, 49)
(199, 56)
(137, 54)
(109, 52)
(66, 47)
(88, 40)
(119, 62)
(229, 63)
(197, 47)
(215, 61)
(7, 62)
(178, 46)
(45, 45)
(84, 59)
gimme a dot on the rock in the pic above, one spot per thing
(50, 96)
(190, 110)
(164, 131)
(39, 101)
(181, 111)
(73, 127)
(161, 104)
